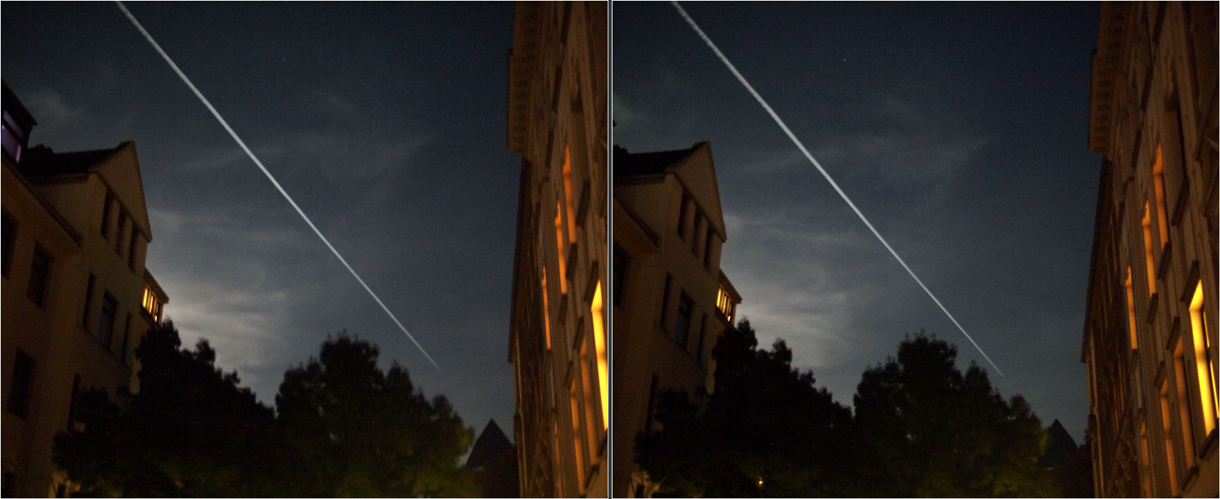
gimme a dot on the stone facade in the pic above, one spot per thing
(1150, 328)
(557, 122)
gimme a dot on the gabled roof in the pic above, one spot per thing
(693, 167)
(627, 164)
(41, 161)
(490, 445)
(119, 169)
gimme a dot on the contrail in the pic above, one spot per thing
(842, 194)
(270, 177)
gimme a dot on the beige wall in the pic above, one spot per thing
(1154, 87)
(63, 215)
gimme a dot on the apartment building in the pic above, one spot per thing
(671, 301)
(1150, 327)
(76, 297)
(557, 122)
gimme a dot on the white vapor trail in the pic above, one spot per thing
(842, 194)
(270, 177)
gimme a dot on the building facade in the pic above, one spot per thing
(557, 122)
(1150, 327)
(76, 297)
(671, 301)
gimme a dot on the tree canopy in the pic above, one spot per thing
(342, 427)
(921, 427)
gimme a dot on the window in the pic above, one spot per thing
(669, 282)
(1158, 184)
(1179, 371)
(694, 232)
(622, 262)
(724, 303)
(40, 274)
(152, 304)
(105, 325)
(131, 250)
(597, 312)
(1147, 223)
(10, 240)
(88, 301)
(19, 384)
(546, 311)
(567, 194)
(682, 214)
(106, 215)
(682, 329)
(563, 267)
(577, 439)
(1131, 311)
(118, 234)
(1167, 428)
(707, 249)
(702, 334)
(11, 138)
(1205, 365)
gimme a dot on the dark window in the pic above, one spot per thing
(118, 232)
(40, 274)
(126, 339)
(694, 233)
(682, 214)
(131, 250)
(702, 333)
(10, 239)
(105, 325)
(19, 386)
(707, 249)
(106, 215)
(88, 300)
(622, 261)
(652, 402)
(669, 282)
(682, 329)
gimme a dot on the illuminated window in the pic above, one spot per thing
(590, 412)
(19, 384)
(1179, 371)
(1167, 427)
(10, 240)
(563, 266)
(152, 305)
(1131, 311)
(40, 274)
(603, 365)
(546, 310)
(567, 194)
(1145, 466)
(1147, 223)
(578, 447)
(105, 325)
(1158, 184)
(1205, 365)
(724, 303)
(682, 329)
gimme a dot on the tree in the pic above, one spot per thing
(189, 431)
(931, 430)
(358, 431)
(764, 431)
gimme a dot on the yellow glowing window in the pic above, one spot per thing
(546, 310)
(724, 303)
(567, 194)
(1179, 371)
(577, 441)
(1167, 428)
(1205, 365)
(1147, 223)
(1131, 310)
(152, 305)
(563, 267)
(599, 338)
(1158, 184)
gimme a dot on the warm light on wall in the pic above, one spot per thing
(599, 338)
(567, 191)
(563, 267)
(1131, 310)
(1147, 223)
(1158, 184)
(546, 310)
(1167, 429)
(1204, 364)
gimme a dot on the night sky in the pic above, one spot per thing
(958, 129)
(385, 121)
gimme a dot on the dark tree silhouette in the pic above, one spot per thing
(765, 431)
(190, 430)
(932, 431)
(357, 431)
